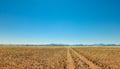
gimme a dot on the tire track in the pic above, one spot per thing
(70, 61)
(91, 65)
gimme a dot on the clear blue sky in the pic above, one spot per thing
(59, 21)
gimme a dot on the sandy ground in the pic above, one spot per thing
(70, 61)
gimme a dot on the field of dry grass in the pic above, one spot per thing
(105, 57)
(32, 58)
(35, 57)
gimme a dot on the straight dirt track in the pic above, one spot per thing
(70, 61)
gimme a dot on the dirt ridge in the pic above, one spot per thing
(91, 65)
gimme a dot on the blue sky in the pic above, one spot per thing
(59, 21)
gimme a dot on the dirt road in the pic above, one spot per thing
(70, 61)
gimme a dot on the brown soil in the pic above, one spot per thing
(70, 61)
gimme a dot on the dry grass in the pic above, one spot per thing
(105, 57)
(32, 57)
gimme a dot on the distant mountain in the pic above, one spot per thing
(106, 45)
(60, 44)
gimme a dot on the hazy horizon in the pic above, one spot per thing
(59, 22)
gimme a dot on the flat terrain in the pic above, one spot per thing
(43, 57)
(104, 57)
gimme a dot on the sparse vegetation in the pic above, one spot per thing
(35, 57)
(32, 58)
(105, 57)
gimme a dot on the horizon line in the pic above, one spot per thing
(67, 44)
